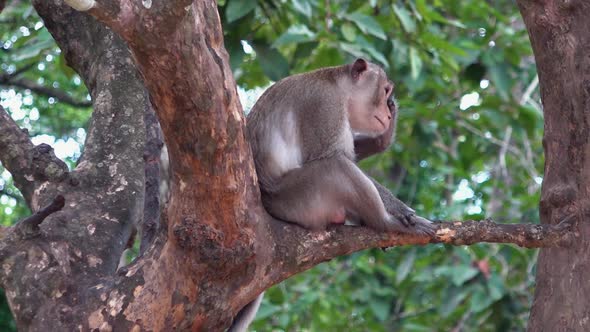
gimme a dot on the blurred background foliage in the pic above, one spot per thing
(468, 147)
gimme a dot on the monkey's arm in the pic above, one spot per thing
(368, 146)
(405, 214)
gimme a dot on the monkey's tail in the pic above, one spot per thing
(246, 315)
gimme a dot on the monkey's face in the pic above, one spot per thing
(370, 108)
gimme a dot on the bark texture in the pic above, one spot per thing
(214, 248)
(560, 36)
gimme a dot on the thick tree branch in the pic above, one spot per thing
(80, 246)
(137, 20)
(108, 183)
(294, 249)
(27, 163)
(60, 95)
(200, 115)
(560, 41)
(317, 247)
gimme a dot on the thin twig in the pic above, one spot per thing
(44, 90)
(529, 90)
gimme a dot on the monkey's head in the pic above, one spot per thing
(370, 107)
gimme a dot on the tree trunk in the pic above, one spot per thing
(214, 248)
(560, 36)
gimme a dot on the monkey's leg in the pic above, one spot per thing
(317, 193)
(310, 196)
(400, 217)
(400, 211)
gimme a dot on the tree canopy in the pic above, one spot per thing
(468, 146)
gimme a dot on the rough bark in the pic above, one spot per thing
(49, 278)
(214, 249)
(559, 33)
(150, 227)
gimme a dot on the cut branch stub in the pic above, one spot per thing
(46, 166)
(29, 227)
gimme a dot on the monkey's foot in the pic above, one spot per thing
(412, 223)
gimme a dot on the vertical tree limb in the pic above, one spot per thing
(80, 248)
(559, 36)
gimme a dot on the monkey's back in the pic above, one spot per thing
(297, 120)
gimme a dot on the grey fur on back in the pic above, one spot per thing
(271, 122)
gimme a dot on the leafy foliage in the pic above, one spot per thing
(468, 146)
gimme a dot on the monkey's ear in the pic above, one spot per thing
(359, 66)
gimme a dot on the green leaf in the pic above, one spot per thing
(273, 63)
(302, 6)
(415, 63)
(429, 15)
(66, 70)
(378, 56)
(460, 274)
(480, 300)
(441, 44)
(367, 24)
(295, 34)
(238, 8)
(457, 24)
(32, 50)
(348, 32)
(433, 15)
(501, 79)
(405, 267)
(405, 18)
(236, 53)
(267, 311)
(415, 327)
(303, 50)
(496, 287)
(457, 297)
(380, 308)
(353, 49)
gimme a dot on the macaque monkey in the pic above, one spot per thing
(306, 132)
(303, 131)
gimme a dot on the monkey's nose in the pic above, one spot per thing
(389, 116)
